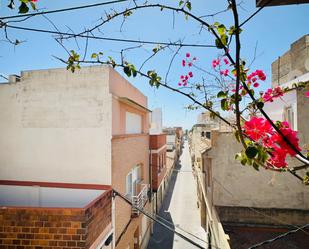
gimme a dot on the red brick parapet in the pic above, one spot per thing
(38, 227)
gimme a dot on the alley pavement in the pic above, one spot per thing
(180, 209)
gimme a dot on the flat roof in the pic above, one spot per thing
(50, 196)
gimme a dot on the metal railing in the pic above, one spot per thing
(140, 200)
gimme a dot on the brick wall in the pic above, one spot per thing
(127, 152)
(157, 141)
(158, 175)
(37, 228)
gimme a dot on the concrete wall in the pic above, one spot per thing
(293, 63)
(57, 126)
(239, 186)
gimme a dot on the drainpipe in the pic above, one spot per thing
(151, 193)
(113, 221)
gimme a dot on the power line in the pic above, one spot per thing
(262, 7)
(159, 222)
(177, 44)
(278, 237)
(193, 235)
(63, 10)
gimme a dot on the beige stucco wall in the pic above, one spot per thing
(237, 185)
(56, 126)
(120, 87)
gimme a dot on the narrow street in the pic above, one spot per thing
(180, 209)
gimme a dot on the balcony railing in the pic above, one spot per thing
(140, 200)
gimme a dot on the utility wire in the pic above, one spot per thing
(262, 7)
(176, 44)
(181, 229)
(63, 10)
(159, 222)
(278, 237)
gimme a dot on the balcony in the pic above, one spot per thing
(139, 200)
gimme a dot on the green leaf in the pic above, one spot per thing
(237, 136)
(23, 8)
(255, 166)
(94, 55)
(181, 3)
(224, 104)
(134, 72)
(251, 151)
(219, 44)
(221, 29)
(224, 39)
(33, 5)
(243, 161)
(127, 71)
(221, 94)
(188, 5)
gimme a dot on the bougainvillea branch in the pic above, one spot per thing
(266, 143)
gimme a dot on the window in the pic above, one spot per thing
(203, 134)
(208, 134)
(132, 179)
(289, 116)
(133, 123)
(129, 186)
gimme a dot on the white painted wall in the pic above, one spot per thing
(276, 109)
(56, 126)
(133, 123)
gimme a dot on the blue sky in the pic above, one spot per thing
(273, 30)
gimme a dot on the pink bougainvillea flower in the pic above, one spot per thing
(277, 158)
(215, 63)
(291, 135)
(190, 74)
(182, 77)
(183, 63)
(188, 55)
(224, 72)
(190, 64)
(270, 94)
(226, 61)
(259, 73)
(34, 1)
(257, 128)
(194, 59)
(307, 94)
(179, 84)
(256, 84)
(184, 84)
(186, 77)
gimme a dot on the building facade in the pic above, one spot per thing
(90, 127)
